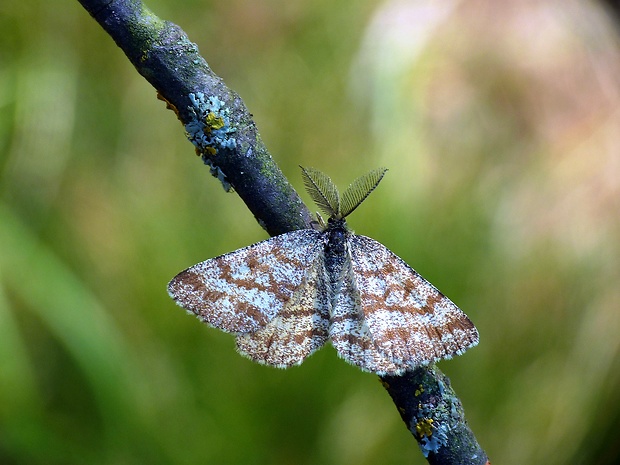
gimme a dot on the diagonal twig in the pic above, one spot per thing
(225, 136)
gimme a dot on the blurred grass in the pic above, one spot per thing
(500, 132)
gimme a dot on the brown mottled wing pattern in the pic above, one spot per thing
(409, 320)
(299, 329)
(244, 290)
(350, 334)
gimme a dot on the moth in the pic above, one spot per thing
(285, 297)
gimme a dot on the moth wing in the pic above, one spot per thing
(350, 334)
(242, 291)
(410, 321)
(299, 329)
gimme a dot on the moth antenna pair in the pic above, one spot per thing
(326, 195)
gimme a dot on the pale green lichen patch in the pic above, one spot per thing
(145, 28)
(434, 420)
(210, 131)
(431, 429)
(150, 18)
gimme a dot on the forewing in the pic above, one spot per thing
(299, 329)
(410, 321)
(350, 334)
(243, 290)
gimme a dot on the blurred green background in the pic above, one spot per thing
(499, 122)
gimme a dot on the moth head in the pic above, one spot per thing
(325, 193)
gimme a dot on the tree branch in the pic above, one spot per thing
(434, 414)
(222, 130)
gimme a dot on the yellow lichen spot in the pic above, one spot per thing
(169, 104)
(213, 121)
(424, 428)
(419, 391)
(210, 151)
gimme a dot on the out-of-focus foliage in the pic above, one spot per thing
(499, 122)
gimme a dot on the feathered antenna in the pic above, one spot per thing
(359, 189)
(323, 191)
